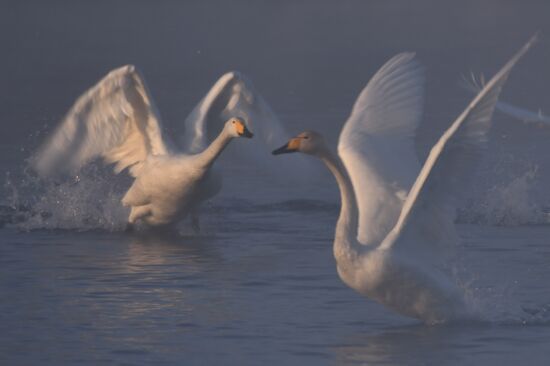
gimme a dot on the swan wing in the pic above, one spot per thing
(429, 210)
(377, 144)
(234, 95)
(196, 133)
(474, 85)
(116, 119)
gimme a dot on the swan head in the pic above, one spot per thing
(237, 128)
(307, 142)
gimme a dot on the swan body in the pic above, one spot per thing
(117, 120)
(404, 285)
(168, 187)
(395, 231)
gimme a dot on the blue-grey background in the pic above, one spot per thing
(259, 285)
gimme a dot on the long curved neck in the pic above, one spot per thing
(211, 153)
(346, 228)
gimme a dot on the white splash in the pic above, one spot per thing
(507, 203)
(499, 304)
(88, 201)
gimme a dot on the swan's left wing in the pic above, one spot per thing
(474, 85)
(115, 119)
(234, 95)
(429, 211)
(377, 144)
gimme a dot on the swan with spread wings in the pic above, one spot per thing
(118, 121)
(396, 223)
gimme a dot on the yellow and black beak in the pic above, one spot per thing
(291, 146)
(246, 133)
(242, 130)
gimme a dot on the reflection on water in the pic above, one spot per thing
(159, 273)
(443, 345)
(398, 346)
(162, 248)
(121, 292)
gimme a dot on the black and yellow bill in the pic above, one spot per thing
(291, 146)
(241, 128)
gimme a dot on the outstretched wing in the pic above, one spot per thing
(234, 95)
(377, 144)
(429, 211)
(116, 119)
(474, 85)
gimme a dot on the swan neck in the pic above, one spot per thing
(211, 153)
(346, 228)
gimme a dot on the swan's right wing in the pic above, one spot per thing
(474, 85)
(429, 211)
(377, 144)
(116, 119)
(234, 95)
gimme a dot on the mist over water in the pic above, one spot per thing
(259, 284)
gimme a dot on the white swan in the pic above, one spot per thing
(117, 120)
(474, 85)
(388, 245)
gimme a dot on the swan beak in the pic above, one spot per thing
(242, 130)
(246, 133)
(292, 146)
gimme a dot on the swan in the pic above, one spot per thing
(117, 120)
(474, 85)
(392, 246)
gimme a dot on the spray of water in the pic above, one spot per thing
(87, 201)
(496, 301)
(509, 201)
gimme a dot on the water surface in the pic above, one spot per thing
(259, 286)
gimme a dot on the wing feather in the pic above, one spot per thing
(429, 211)
(234, 95)
(116, 119)
(377, 144)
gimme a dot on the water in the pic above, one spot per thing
(259, 284)
(258, 287)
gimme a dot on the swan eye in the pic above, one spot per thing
(306, 137)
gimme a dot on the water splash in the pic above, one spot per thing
(498, 303)
(493, 304)
(89, 200)
(507, 203)
(498, 306)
